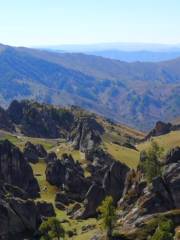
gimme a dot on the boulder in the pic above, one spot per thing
(41, 151)
(51, 157)
(62, 197)
(15, 170)
(45, 209)
(32, 152)
(68, 175)
(55, 173)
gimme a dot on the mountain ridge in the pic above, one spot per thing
(131, 93)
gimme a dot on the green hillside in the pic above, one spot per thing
(166, 141)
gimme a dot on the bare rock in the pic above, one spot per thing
(15, 170)
(86, 134)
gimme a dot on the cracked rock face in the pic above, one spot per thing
(5, 122)
(163, 195)
(21, 218)
(32, 152)
(86, 134)
(15, 170)
(159, 129)
(68, 174)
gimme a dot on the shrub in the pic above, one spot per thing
(164, 230)
(51, 229)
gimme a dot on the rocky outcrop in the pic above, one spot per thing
(51, 157)
(40, 120)
(172, 182)
(112, 184)
(68, 175)
(173, 156)
(62, 197)
(99, 162)
(20, 219)
(92, 201)
(141, 200)
(45, 209)
(86, 134)
(15, 170)
(5, 122)
(55, 173)
(41, 151)
(114, 180)
(32, 152)
(161, 128)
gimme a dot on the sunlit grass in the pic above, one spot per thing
(166, 141)
(125, 155)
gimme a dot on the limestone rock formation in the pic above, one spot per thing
(93, 199)
(15, 170)
(20, 218)
(162, 128)
(40, 120)
(68, 175)
(86, 134)
(114, 180)
(141, 200)
(112, 184)
(32, 152)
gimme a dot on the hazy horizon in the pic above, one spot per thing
(43, 23)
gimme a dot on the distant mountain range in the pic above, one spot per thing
(128, 52)
(138, 94)
(141, 56)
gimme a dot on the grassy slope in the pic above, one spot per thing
(166, 141)
(126, 155)
(48, 193)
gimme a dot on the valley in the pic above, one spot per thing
(137, 94)
(122, 143)
(90, 120)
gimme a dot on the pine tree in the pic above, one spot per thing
(107, 211)
(151, 165)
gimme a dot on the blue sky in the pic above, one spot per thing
(54, 22)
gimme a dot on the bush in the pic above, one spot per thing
(164, 230)
(51, 229)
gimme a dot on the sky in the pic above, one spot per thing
(56, 22)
